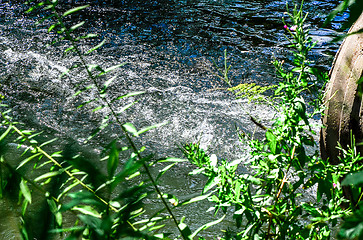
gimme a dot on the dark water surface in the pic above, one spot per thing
(170, 47)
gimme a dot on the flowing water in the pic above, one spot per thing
(170, 47)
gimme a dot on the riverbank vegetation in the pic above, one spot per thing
(264, 203)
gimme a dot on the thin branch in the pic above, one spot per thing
(133, 146)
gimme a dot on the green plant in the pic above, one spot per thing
(269, 201)
(105, 203)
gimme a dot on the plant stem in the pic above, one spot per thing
(133, 146)
(282, 184)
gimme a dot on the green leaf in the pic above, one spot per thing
(128, 95)
(84, 89)
(124, 108)
(310, 209)
(74, 27)
(237, 190)
(71, 229)
(353, 179)
(340, 8)
(47, 175)
(130, 167)
(87, 210)
(114, 67)
(67, 189)
(54, 209)
(73, 10)
(87, 102)
(53, 26)
(213, 160)
(187, 234)
(207, 225)
(47, 142)
(107, 83)
(95, 66)
(113, 160)
(79, 198)
(34, 7)
(272, 142)
(212, 181)
(90, 35)
(93, 222)
(45, 18)
(25, 190)
(6, 132)
(195, 199)
(57, 154)
(103, 125)
(23, 230)
(164, 170)
(98, 108)
(96, 47)
(171, 198)
(171, 159)
(150, 127)
(156, 227)
(27, 160)
(130, 128)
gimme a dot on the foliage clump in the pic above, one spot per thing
(251, 91)
(265, 202)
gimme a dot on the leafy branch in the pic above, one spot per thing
(94, 72)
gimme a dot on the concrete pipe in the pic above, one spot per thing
(344, 113)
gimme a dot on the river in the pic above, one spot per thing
(170, 47)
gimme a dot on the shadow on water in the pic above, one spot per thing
(169, 47)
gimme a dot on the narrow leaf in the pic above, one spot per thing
(53, 26)
(73, 10)
(44, 18)
(94, 66)
(113, 159)
(187, 234)
(212, 181)
(114, 67)
(124, 108)
(67, 189)
(27, 160)
(150, 127)
(130, 128)
(85, 103)
(98, 108)
(90, 35)
(57, 154)
(6, 132)
(107, 83)
(83, 90)
(25, 191)
(103, 125)
(96, 47)
(74, 27)
(47, 142)
(128, 95)
(207, 225)
(87, 210)
(71, 229)
(272, 142)
(171, 159)
(164, 170)
(47, 175)
(196, 199)
(54, 209)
